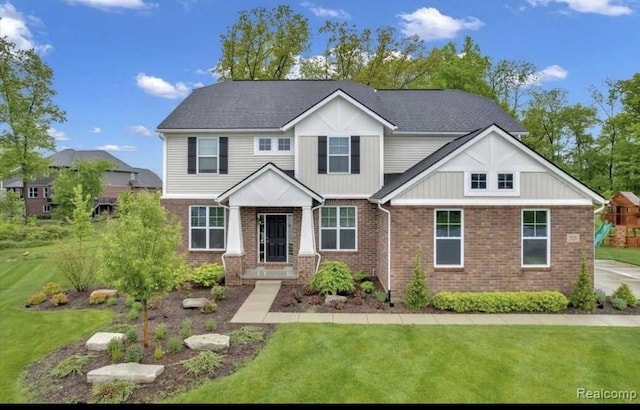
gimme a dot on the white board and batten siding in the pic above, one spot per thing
(339, 118)
(241, 163)
(401, 152)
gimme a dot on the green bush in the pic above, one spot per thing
(211, 324)
(501, 302)
(182, 278)
(333, 278)
(245, 335)
(187, 328)
(582, 295)
(129, 301)
(208, 274)
(209, 307)
(619, 303)
(205, 362)
(160, 331)
(175, 344)
(367, 286)
(112, 301)
(416, 294)
(134, 353)
(132, 334)
(51, 288)
(74, 364)
(158, 353)
(115, 349)
(36, 298)
(601, 297)
(218, 292)
(114, 391)
(624, 292)
(133, 314)
(59, 299)
(361, 276)
(380, 295)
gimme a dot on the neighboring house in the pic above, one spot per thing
(273, 177)
(117, 179)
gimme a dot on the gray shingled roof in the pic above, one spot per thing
(66, 157)
(425, 164)
(270, 104)
(147, 178)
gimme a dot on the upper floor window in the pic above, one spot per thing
(478, 180)
(208, 155)
(33, 192)
(46, 192)
(491, 183)
(284, 144)
(338, 155)
(505, 181)
(264, 144)
(272, 145)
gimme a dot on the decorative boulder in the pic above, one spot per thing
(330, 298)
(100, 340)
(209, 341)
(135, 372)
(194, 303)
(109, 293)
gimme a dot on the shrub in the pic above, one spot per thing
(245, 335)
(211, 324)
(582, 295)
(501, 302)
(203, 363)
(78, 264)
(218, 292)
(187, 328)
(133, 314)
(175, 344)
(36, 298)
(315, 300)
(160, 331)
(134, 353)
(296, 295)
(337, 304)
(112, 301)
(129, 301)
(367, 286)
(59, 299)
(361, 275)
(158, 353)
(97, 298)
(601, 297)
(132, 334)
(416, 295)
(115, 349)
(51, 288)
(333, 278)
(380, 295)
(114, 391)
(209, 307)
(208, 274)
(618, 303)
(624, 292)
(288, 302)
(74, 364)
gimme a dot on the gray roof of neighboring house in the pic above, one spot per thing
(147, 178)
(66, 157)
(270, 104)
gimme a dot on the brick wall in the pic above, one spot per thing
(34, 205)
(492, 259)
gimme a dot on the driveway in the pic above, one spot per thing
(609, 274)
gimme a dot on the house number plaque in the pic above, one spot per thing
(573, 237)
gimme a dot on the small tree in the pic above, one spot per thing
(624, 292)
(139, 254)
(77, 260)
(11, 206)
(416, 295)
(583, 297)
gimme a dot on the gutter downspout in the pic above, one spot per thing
(224, 265)
(388, 252)
(313, 232)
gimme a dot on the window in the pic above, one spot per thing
(206, 227)
(338, 155)
(46, 192)
(338, 228)
(46, 208)
(478, 181)
(33, 192)
(264, 144)
(535, 237)
(272, 145)
(505, 181)
(208, 155)
(448, 238)
(284, 144)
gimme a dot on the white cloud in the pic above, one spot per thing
(14, 27)
(327, 13)
(210, 71)
(604, 7)
(158, 87)
(96, 130)
(58, 135)
(139, 130)
(550, 73)
(113, 147)
(429, 24)
(107, 5)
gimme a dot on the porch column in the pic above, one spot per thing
(234, 237)
(306, 233)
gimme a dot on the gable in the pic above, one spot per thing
(269, 188)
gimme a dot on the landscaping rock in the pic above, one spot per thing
(194, 303)
(330, 298)
(209, 341)
(135, 372)
(109, 293)
(100, 340)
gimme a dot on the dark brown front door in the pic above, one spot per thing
(276, 238)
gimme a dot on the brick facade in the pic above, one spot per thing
(35, 206)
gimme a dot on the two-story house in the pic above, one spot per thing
(273, 177)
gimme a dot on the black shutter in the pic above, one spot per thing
(224, 155)
(322, 154)
(192, 148)
(355, 154)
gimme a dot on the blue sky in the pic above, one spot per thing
(121, 66)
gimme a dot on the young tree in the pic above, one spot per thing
(417, 293)
(139, 252)
(27, 107)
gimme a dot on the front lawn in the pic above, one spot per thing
(628, 255)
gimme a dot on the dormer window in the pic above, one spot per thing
(505, 181)
(272, 146)
(478, 181)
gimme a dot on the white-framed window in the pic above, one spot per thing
(536, 230)
(45, 193)
(449, 238)
(33, 192)
(272, 145)
(207, 227)
(505, 180)
(338, 155)
(478, 181)
(46, 208)
(338, 228)
(207, 155)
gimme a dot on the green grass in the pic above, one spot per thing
(331, 363)
(628, 255)
(26, 335)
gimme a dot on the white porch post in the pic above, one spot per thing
(306, 233)
(234, 237)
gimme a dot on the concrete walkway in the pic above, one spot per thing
(256, 310)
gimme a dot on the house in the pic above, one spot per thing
(271, 178)
(116, 179)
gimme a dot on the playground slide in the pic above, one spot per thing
(602, 233)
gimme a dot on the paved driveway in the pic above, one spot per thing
(609, 275)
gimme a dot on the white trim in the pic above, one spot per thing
(274, 145)
(164, 165)
(214, 130)
(33, 189)
(289, 219)
(217, 156)
(381, 153)
(337, 227)
(296, 156)
(328, 99)
(45, 192)
(491, 202)
(492, 184)
(45, 210)
(435, 237)
(329, 155)
(431, 133)
(548, 238)
(189, 196)
(207, 228)
(346, 196)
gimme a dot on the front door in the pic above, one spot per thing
(276, 238)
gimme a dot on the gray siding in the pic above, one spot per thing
(441, 185)
(242, 162)
(367, 182)
(543, 185)
(403, 151)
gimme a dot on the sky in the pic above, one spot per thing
(121, 66)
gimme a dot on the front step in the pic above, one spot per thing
(269, 273)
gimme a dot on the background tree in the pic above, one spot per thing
(139, 251)
(263, 44)
(89, 174)
(511, 81)
(11, 206)
(27, 107)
